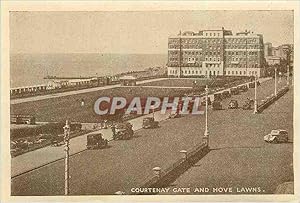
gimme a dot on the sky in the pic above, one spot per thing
(140, 32)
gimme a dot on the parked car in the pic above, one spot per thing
(243, 88)
(149, 122)
(57, 140)
(39, 141)
(252, 85)
(226, 94)
(95, 141)
(216, 105)
(277, 136)
(218, 97)
(233, 104)
(203, 103)
(248, 104)
(174, 115)
(123, 131)
(234, 91)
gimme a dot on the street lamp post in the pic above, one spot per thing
(67, 155)
(152, 107)
(255, 96)
(206, 133)
(275, 92)
(288, 75)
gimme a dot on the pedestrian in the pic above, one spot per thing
(82, 102)
(113, 129)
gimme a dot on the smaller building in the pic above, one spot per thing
(273, 60)
(57, 84)
(128, 80)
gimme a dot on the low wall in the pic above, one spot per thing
(270, 100)
(169, 175)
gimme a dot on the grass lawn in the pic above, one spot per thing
(69, 107)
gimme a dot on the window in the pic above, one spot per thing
(244, 72)
(240, 72)
(236, 72)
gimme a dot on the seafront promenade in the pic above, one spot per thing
(62, 94)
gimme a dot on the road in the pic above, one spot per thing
(61, 94)
(128, 164)
(37, 158)
(239, 156)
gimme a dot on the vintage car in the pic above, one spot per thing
(243, 88)
(216, 105)
(252, 84)
(203, 102)
(234, 91)
(218, 97)
(149, 122)
(95, 141)
(248, 104)
(57, 140)
(174, 115)
(277, 136)
(233, 104)
(226, 94)
(123, 131)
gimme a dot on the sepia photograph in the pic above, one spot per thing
(151, 102)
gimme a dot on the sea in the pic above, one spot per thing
(30, 69)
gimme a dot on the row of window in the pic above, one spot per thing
(242, 66)
(193, 53)
(194, 41)
(195, 59)
(242, 40)
(230, 53)
(232, 46)
(255, 53)
(196, 72)
(212, 58)
(214, 40)
(229, 46)
(241, 72)
(212, 34)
